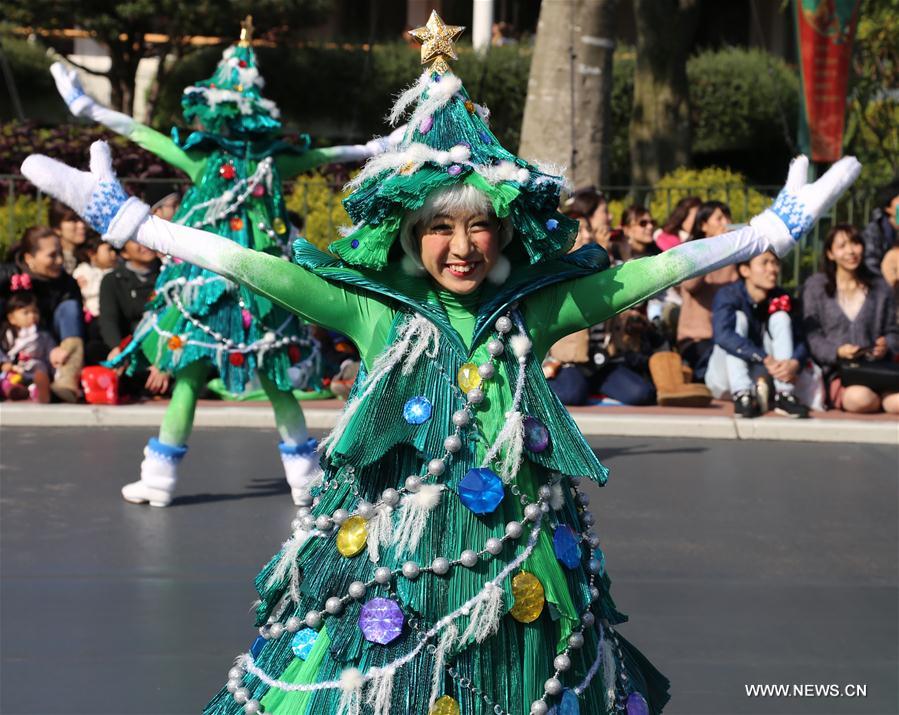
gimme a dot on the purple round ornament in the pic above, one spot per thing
(536, 436)
(636, 704)
(381, 621)
(425, 125)
(355, 243)
(454, 170)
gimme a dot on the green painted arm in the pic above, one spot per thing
(582, 302)
(355, 313)
(166, 149)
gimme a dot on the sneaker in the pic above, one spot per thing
(786, 404)
(745, 405)
(763, 395)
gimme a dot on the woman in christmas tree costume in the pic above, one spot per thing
(199, 320)
(449, 564)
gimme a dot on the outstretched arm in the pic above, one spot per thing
(83, 105)
(293, 164)
(590, 300)
(98, 197)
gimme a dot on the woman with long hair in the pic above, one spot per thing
(849, 316)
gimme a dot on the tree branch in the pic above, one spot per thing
(97, 73)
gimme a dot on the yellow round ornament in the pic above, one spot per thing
(445, 706)
(529, 597)
(351, 536)
(468, 377)
(279, 226)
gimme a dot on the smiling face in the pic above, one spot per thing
(46, 261)
(459, 249)
(846, 252)
(762, 272)
(716, 224)
(24, 317)
(639, 229)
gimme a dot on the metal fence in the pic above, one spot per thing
(854, 208)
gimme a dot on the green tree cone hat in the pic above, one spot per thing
(231, 99)
(449, 143)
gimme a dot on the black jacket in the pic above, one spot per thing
(123, 295)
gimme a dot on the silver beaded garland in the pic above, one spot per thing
(252, 707)
(233, 685)
(293, 624)
(365, 510)
(383, 575)
(495, 347)
(340, 516)
(411, 570)
(241, 695)
(413, 483)
(493, 545)
(461, 418)
(468, 558)
(440, 565)
(475, 395)
(562, 662)
(553, 686)
(452, 444)
(588, 619)
(334, 605)
(532, 512)
(576, 640)
(503, 325)
(276, 630)
(390, 496)
(514, 529)
(313, 619)
(436, 467)
(323, 523)
(235, 674)
(539, 707)
(594, 566)
(486, 370)
(356, 589)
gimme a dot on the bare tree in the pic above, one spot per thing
(660, 121)
(567, 115)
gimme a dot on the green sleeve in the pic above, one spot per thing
(579, 303)
(290, 165)
(166, 149)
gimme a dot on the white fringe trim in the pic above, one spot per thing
(413, 517)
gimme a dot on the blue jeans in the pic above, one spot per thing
(728, 374)
(68, 320)
(627, 386)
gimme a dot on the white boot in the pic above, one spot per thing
(302, 469)
(158, 475)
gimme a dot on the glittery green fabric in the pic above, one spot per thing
(379, 449)
(219, 305)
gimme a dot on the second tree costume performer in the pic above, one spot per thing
(450, 563)
(199, 321)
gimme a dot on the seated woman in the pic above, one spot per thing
(38, 255)
(453, 467)
(849, 316)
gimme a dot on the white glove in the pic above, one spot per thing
(799, 204)
(96, 195)
(379, 145)
(69, 87)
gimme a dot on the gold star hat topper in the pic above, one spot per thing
(437, 40)
(246, 31)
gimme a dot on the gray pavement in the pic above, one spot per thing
(738, 563)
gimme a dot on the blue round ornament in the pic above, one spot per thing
(565, 546)
(417, 410)
(552, 224)
(481, 490)
(536, 436)
(302, 642)
(569, 704)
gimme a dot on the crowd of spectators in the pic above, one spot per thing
(735, 333)
(69, 301)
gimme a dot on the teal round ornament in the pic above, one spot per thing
(302, 642)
